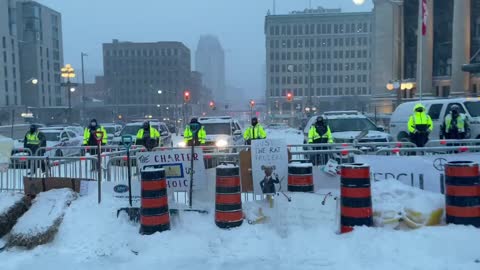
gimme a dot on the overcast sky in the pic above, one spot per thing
(238, 24)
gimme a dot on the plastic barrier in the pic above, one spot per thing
(154, 214)
(356, 200)
(462, 193)
(300, 177)
(228, 197)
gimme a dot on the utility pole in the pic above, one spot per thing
(83, 88)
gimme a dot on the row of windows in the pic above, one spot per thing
(350, 54)
(143, 52)
(5, 58)
(7, 100)
(142, 73)
(319, 42)
(312, 29)
(361, 78)
(147, 83)
(320, 67)
(14, 86)
(326, 91)
(139, 62)
(4, 43)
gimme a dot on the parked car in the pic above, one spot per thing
(132, 129)
(437, 109)
(62, 138)
(113, 130)
(221, 131)
(346, 126)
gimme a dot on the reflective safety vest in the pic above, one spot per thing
(420, 122)
(86, 135)
(313, 135)
(460, 123)
(188, 135)
(32, 138)
(154, 134)
(254, 133)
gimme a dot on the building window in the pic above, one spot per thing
(335, 28)
(4, 42)
(5, 57)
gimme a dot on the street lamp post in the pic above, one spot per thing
(68, 73)
(83, 88)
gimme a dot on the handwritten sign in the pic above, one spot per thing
(269, 166)
(177, 165)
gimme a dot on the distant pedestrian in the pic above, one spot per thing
(419, 125)
(34, 140)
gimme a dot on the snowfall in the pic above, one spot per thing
(301, 234)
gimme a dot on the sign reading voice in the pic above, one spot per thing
(177, 165)
(269, 166)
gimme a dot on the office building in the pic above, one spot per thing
(320, 56)
(32, 54)
(210, 61)
(136, 72)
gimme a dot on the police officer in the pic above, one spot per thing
(254, 132)
(456, 125)
(419, 125)
(148, 136)
(194, 139)
(89, 138)
(320, 133)
(34, 139)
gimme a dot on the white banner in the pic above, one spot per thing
(412, 170)
(177, 165)
(269, 166)
(116, 190)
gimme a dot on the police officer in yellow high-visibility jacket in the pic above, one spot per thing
(89, 136)
(194, 139)
(419, 125)
(320, 133)
(456, 125)
(34, 139)
(254, 132)
(148, 136)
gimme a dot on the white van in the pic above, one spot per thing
(437, 109)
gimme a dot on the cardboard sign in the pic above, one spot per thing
(269, 166)
(177, 165)
(246, 171)
(33, 186)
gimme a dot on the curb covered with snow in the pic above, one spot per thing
(12, 207)
(40, 224)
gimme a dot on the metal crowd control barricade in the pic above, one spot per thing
(427, 150)
(442, 143)
(69, 167)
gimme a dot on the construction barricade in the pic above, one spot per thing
(356, 200)
(462, 193)
(228, 197)
(154, 213)
(300, 177)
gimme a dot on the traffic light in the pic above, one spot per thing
(212, 105)
(252, 103)
(289, 97)
(186, 96)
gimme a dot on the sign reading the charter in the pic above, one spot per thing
(177, 165)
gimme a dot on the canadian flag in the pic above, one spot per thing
(424, 17)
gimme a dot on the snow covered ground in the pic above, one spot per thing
(297, 235)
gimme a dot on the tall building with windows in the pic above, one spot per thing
(210, 61)
(135, 72)
(9, 60)
(31, 48)
(320, 56)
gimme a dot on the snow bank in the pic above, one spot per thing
(392, 195)
(6, 147)
(298, 235)
(40, 224)
(12, 206)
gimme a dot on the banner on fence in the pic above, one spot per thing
(418, 171)
(117, 191)
(269, 166)
(177, 165)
